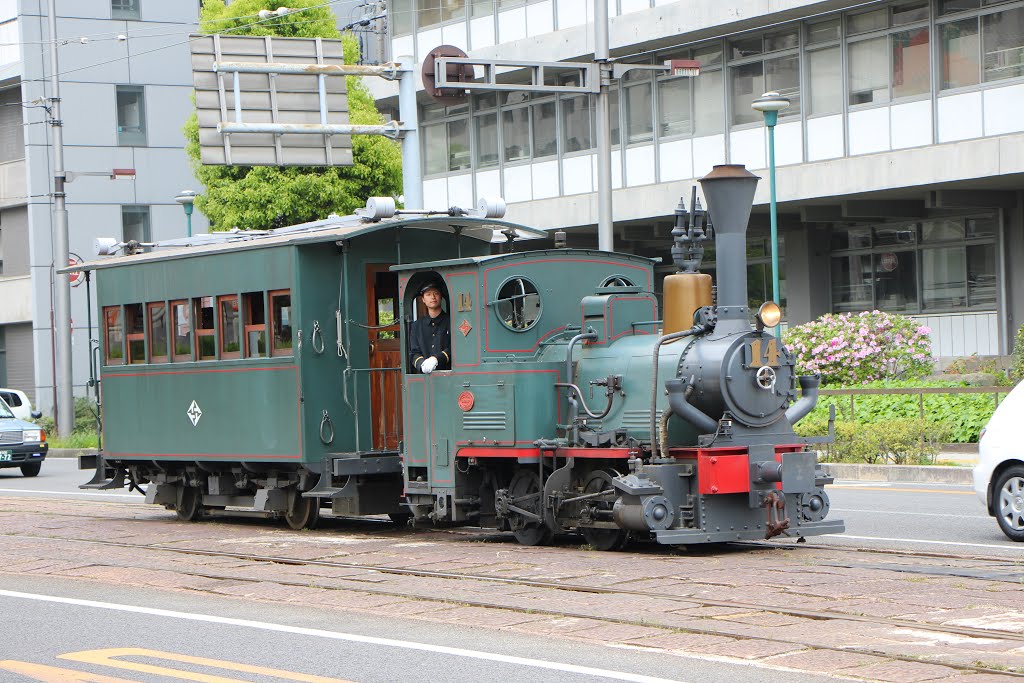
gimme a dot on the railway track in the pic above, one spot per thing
(613, 593)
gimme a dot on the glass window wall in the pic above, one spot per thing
(934, 266)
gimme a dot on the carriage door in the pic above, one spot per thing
(385, 357)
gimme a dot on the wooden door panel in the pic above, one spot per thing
(385, 374)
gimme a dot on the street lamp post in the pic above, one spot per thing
(187, 198)
(770, 104)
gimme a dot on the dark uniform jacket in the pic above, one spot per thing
(431, 337)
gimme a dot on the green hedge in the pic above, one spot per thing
(961, 415)
(895, 442)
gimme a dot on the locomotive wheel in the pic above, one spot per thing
(603, 539)
(189, 507)
(302, 513)
(526, 530)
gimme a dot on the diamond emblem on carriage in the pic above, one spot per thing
(194, 413)
(465, 328)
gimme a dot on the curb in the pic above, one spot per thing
(909, 474)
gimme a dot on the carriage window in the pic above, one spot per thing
(157, 332)
(617, 281)
(135, 325)
(206, 343)
(518, 304)
(229, 345)
(114, 335)
(182, 331)
(281, 323)
(255, 325)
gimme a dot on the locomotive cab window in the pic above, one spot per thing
(518, 304)
(617, 281)
(114, 335)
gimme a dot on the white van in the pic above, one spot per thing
(999, 475)
(19, 404)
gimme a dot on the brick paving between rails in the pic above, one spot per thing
(39, 537)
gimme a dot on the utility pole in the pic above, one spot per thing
(64, 411)
(605, 234)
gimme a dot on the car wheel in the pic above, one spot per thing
(1009, 502)
(31, 469)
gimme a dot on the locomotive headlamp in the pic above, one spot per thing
(769, 315)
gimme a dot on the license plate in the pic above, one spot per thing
(5, 456)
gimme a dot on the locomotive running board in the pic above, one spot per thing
(686, 536)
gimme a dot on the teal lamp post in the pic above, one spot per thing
(770, 104)
(187, 198)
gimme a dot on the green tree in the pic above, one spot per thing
(261, 197)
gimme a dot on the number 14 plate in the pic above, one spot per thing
(5, 456)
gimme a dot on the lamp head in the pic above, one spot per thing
(770, 102)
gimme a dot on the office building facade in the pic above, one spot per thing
(900, 159)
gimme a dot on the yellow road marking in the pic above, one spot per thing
(888, 488)
(52, 674)
(106, 657)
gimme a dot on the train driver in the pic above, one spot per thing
(430, 339)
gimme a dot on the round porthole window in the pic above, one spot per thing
(617, 281)
(518, 304)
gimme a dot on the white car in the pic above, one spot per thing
(19, 404)
(999, 474)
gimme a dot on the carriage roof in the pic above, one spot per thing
(326, 230)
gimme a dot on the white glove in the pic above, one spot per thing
(427, 366)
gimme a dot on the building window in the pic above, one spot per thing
(637, 98)
(131, 115)
(576, 124)
(767, 70)
(825, 77)
(124, 9)
(135, 224)
(486, 140)
(892, 65)
(12, 125)
(545, 133)
(1, 251)
(515, 133)
(945, 265)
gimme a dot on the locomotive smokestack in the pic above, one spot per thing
(729, 190)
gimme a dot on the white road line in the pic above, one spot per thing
(76, 493)
(916, 514)
(333, 635)
(920, 540)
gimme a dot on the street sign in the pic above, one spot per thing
(78, 277)
(222, 76)
(452, 73)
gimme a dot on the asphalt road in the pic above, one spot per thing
(923, 517)
(55, 630)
